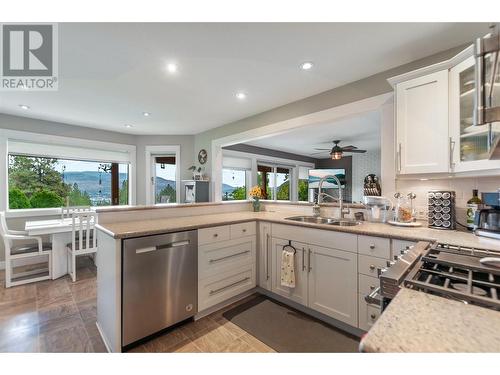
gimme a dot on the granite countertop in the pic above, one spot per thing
(420, 322)
(129, 229)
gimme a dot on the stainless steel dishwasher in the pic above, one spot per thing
(160, 283)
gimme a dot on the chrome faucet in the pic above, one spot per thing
(316, 207)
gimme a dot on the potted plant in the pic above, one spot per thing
(196, 172)
(256, 194)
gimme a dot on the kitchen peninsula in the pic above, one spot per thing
(238, 254)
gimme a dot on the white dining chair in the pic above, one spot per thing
(24, 251)
(66, 212)
(83, 238)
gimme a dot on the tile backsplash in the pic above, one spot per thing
(462, 186)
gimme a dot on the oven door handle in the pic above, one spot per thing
(372, 297)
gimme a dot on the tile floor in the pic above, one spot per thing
(59, 316)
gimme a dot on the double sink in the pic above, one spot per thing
(324, 220)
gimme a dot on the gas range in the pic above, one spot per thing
(466, 274)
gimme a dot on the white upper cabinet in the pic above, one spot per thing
(470, 143)
(434, 129)
(423, 142)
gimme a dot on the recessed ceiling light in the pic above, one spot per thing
(172, 68)
(146, 114)
(128, 126)
(241, 95)
(306, 66)
(24, 106)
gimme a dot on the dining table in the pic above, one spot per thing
(59, 231)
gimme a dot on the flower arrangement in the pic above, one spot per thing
(257, 194)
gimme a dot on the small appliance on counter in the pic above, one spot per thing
(487, 220)
(441, 209)
(195, 191)
(379, 208)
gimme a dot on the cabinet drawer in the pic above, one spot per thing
(374, 246)
(217, 289)
(398, 245)
(220, 257)
(368, 314)
(368, 265)
(366, 284)
(243, 229)
(214, 234)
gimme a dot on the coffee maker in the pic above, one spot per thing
(487, 220)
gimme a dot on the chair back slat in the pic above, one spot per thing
(66, 212)
(83, 223)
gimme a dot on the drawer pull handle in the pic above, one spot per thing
(372, 246)
(227, 257)
(372, 267)
(212, 292)
(373, 316)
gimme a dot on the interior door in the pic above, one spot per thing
(333, 283)
(299, 293)
(422, 125)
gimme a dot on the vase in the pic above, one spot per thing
(256, 205)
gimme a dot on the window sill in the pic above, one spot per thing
(40, 212)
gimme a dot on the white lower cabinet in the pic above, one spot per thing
(219, 288)
(333, 283)
(299, 293)
(326, 278)
(226, 267)
(368, 313)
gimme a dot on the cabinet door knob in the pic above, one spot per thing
(372, 267)
(244, 230)
(372, 246)
(373, 316)
(372, 287)
(216, 235)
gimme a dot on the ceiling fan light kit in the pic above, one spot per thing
(337, 152)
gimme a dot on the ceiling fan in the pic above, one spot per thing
(337, 151)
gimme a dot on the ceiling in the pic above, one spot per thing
(110, 73)
(361, 131)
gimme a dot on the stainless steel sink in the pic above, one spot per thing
(323, 220)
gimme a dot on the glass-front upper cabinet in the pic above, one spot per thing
(470, 145)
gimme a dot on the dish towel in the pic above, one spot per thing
(288, 269)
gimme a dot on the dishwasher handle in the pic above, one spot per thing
(166, 246)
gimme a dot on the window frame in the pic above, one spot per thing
(257, 159)
(149, 152)
(248, 177)
(41, 140)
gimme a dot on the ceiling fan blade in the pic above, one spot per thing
(323, 149)
(321, 152)
(356, 151)
(350, 147)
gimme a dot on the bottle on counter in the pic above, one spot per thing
(473, 205)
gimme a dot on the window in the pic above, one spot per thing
(44, 182)
(165, 170)
(274, 182)
(234, 184)
(303, 185)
